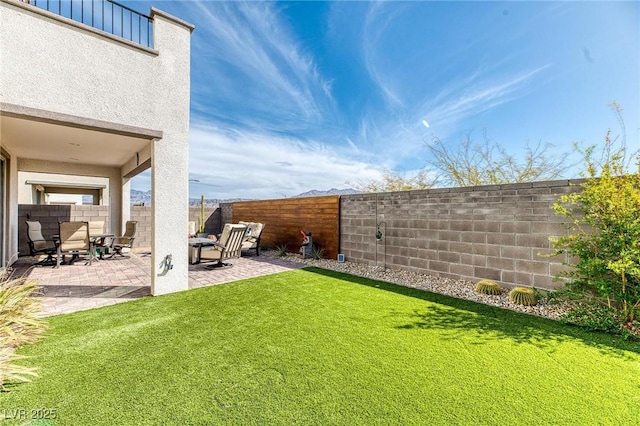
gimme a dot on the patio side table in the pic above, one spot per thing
(194, 248)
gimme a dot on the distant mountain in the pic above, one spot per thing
(144, 197)
(140, 197)
(332, 191)
(214, 202)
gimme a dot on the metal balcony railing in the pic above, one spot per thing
(105, 15)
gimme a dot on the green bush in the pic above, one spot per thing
(282, 250)
(594, 317)
(317, 253)
(604, 236)
(20, 323)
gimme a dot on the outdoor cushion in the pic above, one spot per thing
(251, 238)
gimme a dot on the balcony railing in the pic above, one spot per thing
(105, 15)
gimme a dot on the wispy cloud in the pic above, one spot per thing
(377, 22)
(252, 165)
(251, 40)
(414, 90)
(457, 101)
(282, 95)
(281, 106)
(400, 136)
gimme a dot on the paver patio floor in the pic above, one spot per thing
(77, 287)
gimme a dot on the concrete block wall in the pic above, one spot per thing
(50, 215)
(212, 221)
(226, 213)
(497, 232)
(142, 214)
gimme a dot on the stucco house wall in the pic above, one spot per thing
(52, 64)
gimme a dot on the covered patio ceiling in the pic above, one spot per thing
(42, 135)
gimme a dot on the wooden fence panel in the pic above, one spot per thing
(285, 218)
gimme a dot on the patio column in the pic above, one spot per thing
(125, 210)
(170, 156)
(170, 214)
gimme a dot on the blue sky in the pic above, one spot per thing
(292, 96)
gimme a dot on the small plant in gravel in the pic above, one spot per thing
(282, 250)
(523, 296)
(20, 324)
(317, 253)
(593, 317)
(488, 287)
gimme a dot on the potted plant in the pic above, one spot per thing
(202, 220)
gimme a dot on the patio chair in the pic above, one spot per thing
(98, 243)
(38, 245)
(251, 238)
(125, 242)
(74, 240)
(228, 246)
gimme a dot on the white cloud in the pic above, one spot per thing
(403, 75)
(458, 101)
(252, 165)
(252, 41)
(377, 22)
(400, 136)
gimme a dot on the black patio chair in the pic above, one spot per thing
(125, 241)
(38, 245)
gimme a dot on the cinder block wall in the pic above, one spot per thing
(497, 232)
(226, 214)
(143, 216)
(50, 215)
(212, 222)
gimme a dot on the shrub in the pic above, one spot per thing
(523, 296)
(282, 250)
(19, 324)
(593, 317)
(605, 231)
(488, 287)
(317, 253)
(11, 372)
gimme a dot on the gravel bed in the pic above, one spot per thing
(460, 289)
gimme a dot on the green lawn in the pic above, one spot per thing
(319, 347)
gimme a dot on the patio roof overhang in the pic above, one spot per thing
(47, 183)
(40, 142)
(44, 135)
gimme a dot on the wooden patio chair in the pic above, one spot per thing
(38, 245)
(74, 240)
(228, 246)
